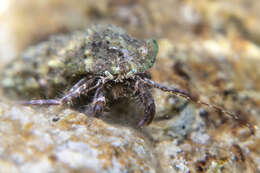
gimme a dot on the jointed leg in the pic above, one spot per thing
(41, 102)
(77, 91)
(148, 101)
(187, 96)
(79, 83)
(73, 93)
(173, 90)
(99, 102)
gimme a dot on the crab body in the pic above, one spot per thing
(102, 64)
(61, 61)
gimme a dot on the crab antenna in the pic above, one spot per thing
(187, 96)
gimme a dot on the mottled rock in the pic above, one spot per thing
(48, 140)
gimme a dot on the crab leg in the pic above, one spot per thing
(78, 84)
(187, 96)
(84, 88)
(73, 93)
(41, 102)
(173, 90)
(99, 102)
(148, 102)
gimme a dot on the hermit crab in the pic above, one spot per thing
(102, 63)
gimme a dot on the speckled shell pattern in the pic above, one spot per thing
(109, 48)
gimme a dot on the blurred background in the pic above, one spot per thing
(233, 23)
(209, 47)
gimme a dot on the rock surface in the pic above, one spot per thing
(210, 48)
(48, 140)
